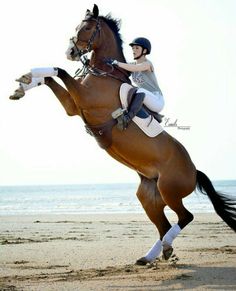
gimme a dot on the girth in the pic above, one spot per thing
(102, 133)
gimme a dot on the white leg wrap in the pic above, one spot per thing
(35, 82)
(154, 252)
(44, 72)
(170, 236)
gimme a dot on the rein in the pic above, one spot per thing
(86, 69)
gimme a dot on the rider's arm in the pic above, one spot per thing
(145, 66)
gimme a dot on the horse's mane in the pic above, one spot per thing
(114, 25)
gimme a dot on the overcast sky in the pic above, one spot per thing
(194, 45)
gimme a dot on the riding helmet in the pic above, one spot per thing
(143, 42)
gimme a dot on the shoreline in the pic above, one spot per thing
(98, 252)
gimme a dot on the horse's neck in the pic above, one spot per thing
(98, 59)
(108, 49)
(103, 97)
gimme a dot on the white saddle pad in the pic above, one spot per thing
(150, 126)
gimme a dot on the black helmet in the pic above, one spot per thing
(143, 42)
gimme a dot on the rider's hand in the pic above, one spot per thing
(111, 61)
(114, 63)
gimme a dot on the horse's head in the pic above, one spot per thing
(86, 35)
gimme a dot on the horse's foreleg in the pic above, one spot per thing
(20, 91)
(39, 76)
(153, 204)
(32, 79)
(71, 84)
(63, 96)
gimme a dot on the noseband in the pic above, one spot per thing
(89, 44)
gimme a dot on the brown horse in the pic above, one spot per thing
(166, 170)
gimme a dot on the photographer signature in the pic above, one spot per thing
(169, 123)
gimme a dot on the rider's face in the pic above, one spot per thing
(137, 51)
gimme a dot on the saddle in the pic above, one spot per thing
(146, 120)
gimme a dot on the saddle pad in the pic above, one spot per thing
(150, 126)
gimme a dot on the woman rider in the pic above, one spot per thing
(143, 75)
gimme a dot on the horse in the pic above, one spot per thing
(167, 173)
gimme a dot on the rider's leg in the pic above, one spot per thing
(134, 107)
(154, 101)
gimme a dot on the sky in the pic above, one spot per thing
(193, 51)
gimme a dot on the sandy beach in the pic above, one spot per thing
(98, 252)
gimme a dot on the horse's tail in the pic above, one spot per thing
(223, 204)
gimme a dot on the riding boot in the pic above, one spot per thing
(133, 109)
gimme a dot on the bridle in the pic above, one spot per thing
(87, 68)
(81, 52)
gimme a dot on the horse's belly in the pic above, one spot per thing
(138, 161)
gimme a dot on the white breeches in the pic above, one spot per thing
(153, 100)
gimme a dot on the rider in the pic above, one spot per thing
(142, 72)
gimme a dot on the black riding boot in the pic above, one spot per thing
(133, 109)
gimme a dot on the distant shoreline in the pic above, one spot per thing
(215, 182)
(90, 199)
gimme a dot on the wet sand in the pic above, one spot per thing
(98, 252)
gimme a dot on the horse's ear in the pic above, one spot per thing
(88, 13)
(95, 11)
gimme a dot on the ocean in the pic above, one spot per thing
(90, 199)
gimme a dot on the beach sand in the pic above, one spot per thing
(98, 252)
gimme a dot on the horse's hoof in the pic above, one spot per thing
(142, 262)
(19, 93)
(167, 253)
(26, 79)
(14, 97)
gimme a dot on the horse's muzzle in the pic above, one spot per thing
(72, 55)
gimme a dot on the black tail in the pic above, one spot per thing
(223, 204)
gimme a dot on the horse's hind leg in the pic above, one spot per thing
(184, 218)
(170, 195)
(153, 204)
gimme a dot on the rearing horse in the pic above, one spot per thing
(166, 170)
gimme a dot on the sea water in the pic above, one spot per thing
(90, 199)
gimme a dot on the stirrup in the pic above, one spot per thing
(120, 115)
(124, 122)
